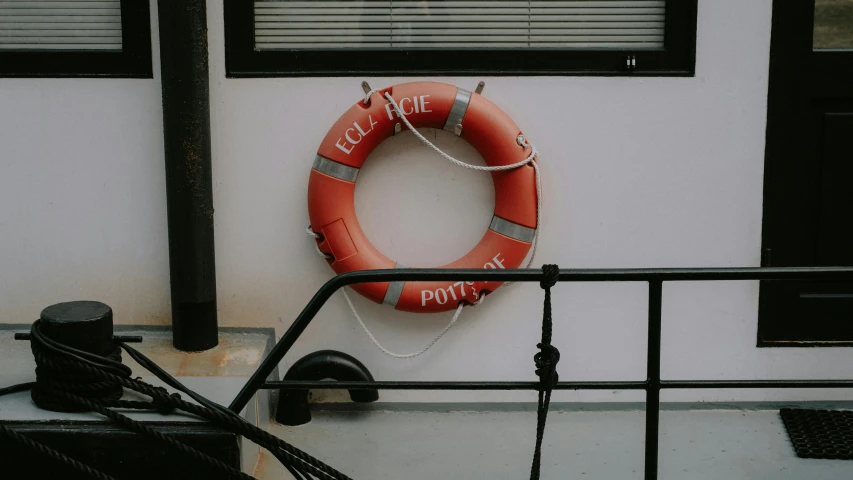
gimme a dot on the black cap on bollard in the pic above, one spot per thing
(84, 325)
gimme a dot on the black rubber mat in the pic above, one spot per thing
(820, 433)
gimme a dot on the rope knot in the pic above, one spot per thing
(164, 402)
(546, 364)
(552, 276)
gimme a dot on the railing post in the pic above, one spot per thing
(653, 380)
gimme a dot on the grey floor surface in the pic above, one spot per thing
(414, 445)
(410, 443)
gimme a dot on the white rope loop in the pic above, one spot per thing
(531, 159)
(317, 247)
(384, 350)
(402, 355)
(368, 94)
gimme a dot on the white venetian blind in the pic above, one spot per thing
(60, 25)
(290, 24)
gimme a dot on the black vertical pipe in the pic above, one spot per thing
(653, 380)
(189, 197)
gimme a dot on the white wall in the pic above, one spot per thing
(639, 172)
(82, 195)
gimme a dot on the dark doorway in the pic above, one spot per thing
(808, 179)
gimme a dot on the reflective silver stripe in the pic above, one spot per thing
(395, 289)
(512, 230)
(335, 169)
(457, 111)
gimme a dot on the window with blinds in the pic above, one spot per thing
(75, 38)
(459, 37)
(60, 25)
(578, 24)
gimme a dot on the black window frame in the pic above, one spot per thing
(677, 58)
(133, 61)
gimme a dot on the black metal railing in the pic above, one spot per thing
(653, 384)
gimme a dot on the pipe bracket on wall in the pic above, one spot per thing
(321, 365)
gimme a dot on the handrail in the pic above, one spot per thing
(653, 384)
(515, 385)
(522, 275)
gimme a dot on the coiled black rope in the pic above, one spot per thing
(69, 379)
(546, 365)
(65, 377)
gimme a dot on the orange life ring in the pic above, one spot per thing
(331, 190)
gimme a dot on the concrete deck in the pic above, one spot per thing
(482, 440)
(729, 444)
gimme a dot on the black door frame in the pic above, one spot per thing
(804, 85)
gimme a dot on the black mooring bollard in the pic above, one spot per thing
(84, 325)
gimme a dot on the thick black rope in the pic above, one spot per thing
(21, 387)
(52, 454)
(73, 380)
(100, 378)
(65, 377)
(546, 365)
(143, 429)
